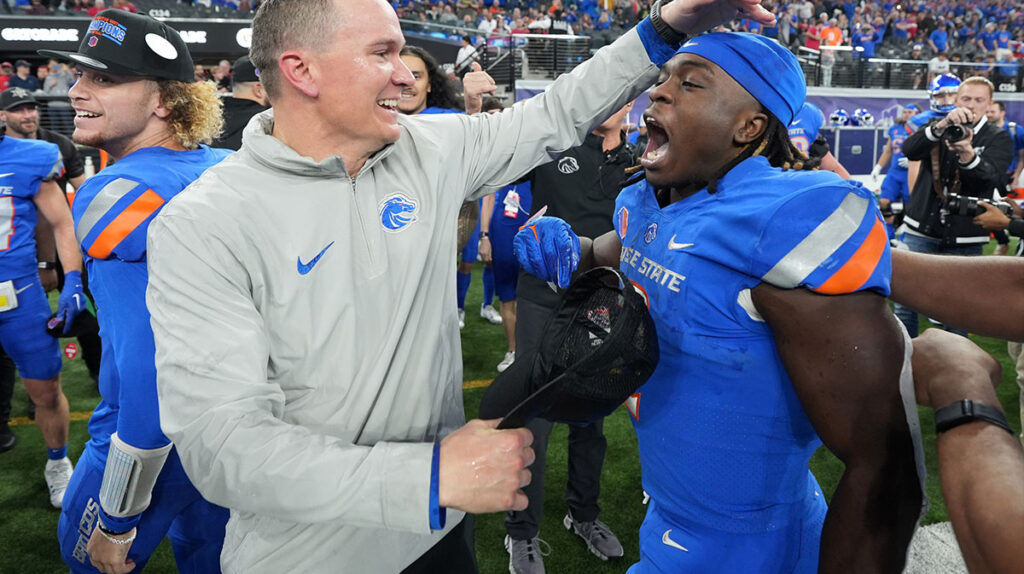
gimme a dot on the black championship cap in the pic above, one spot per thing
(14, 97)
(129, 44)
(598, 347)
(244, 71)
(84, 323)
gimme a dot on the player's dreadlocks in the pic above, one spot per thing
(774, 144)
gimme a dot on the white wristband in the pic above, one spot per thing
(876, 170)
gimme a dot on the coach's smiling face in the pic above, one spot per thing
(699, 119)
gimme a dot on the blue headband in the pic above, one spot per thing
(770, 72)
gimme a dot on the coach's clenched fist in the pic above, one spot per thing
(484, 469)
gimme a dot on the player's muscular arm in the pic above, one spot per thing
(844, 355)
(52, 205)
(938, 286)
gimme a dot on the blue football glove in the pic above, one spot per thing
(548, 248)
(72, 299)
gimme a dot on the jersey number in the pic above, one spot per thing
(6, 221)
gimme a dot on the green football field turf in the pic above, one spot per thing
(28, 523)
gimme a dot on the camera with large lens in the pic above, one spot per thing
(954, 133)
(967, 206)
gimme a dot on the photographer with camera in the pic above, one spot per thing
(962, 158)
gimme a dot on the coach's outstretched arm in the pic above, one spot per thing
(493, 149)
(848, 382)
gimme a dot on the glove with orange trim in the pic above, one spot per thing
(547, 248)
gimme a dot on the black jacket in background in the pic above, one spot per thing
(580, 187)
(980, 178)
(237, 113)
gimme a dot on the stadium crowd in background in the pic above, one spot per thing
(978, 38)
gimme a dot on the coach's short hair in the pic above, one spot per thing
(980, 80)
(282, 25)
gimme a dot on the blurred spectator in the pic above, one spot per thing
(466, 56)
(202, 74)
(559, 25)
(57, 83)
(223, 76)
(1006, 71)
(988, 70)
(1003, 38)
(246, 100)
(488, 25)
(6, 71)
(938, 65)
(125, 5)
(938, 40)
(23, 77)
(448, 17)
(805, 10)
(987, 38)
(97, 7)
(901, 27)
(813, 38)
(831, 34)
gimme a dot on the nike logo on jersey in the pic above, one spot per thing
(672, 245)
(6, 174)
(795, 122)
(667, 541)
(307, 267)
(18, 291)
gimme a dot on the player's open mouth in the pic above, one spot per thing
(84, 115)
(657, 143)
(389, 104)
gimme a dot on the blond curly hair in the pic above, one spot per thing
(195, 111)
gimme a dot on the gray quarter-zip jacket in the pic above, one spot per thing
(307, 343)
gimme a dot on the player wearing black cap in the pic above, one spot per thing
(134, 98)
(246, 100)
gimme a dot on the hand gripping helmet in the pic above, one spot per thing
(943, 84)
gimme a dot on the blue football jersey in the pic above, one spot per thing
(24, 166)
(112, 212)
(803, 130)
(917, 122)
(897, 134)
(724, 440)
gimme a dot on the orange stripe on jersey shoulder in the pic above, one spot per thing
(859, 268)
(126, 222)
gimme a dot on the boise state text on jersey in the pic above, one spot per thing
(724, 440)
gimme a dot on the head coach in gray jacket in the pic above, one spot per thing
(302, 294)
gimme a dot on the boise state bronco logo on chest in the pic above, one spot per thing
(397, 212)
